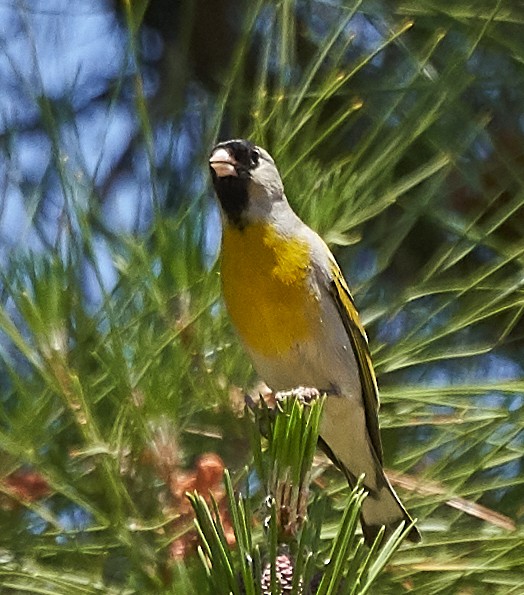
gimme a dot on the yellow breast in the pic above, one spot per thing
(266, 288)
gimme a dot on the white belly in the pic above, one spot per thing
(326, 363)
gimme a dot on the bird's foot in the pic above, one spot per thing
(305, 394)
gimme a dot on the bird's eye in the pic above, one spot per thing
(255, 157)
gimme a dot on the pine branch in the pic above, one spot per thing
(288, 555)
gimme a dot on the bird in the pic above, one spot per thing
(296, 319)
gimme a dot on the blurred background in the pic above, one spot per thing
(398, 128)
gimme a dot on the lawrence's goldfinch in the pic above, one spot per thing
(297, 320)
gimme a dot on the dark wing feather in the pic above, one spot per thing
(359, 341)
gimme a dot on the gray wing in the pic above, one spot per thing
(359, 342)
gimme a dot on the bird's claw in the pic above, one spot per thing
(305, 394)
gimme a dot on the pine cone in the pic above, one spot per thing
(284, 572)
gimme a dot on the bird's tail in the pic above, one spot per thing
(383, 507)
(345, 438)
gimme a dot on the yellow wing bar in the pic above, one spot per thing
(359, 341)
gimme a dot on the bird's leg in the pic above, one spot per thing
(305, 394)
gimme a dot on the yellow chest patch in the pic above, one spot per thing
(266, 288)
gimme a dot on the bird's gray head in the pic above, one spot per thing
(246, 181)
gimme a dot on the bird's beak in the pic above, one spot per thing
(223, 163)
